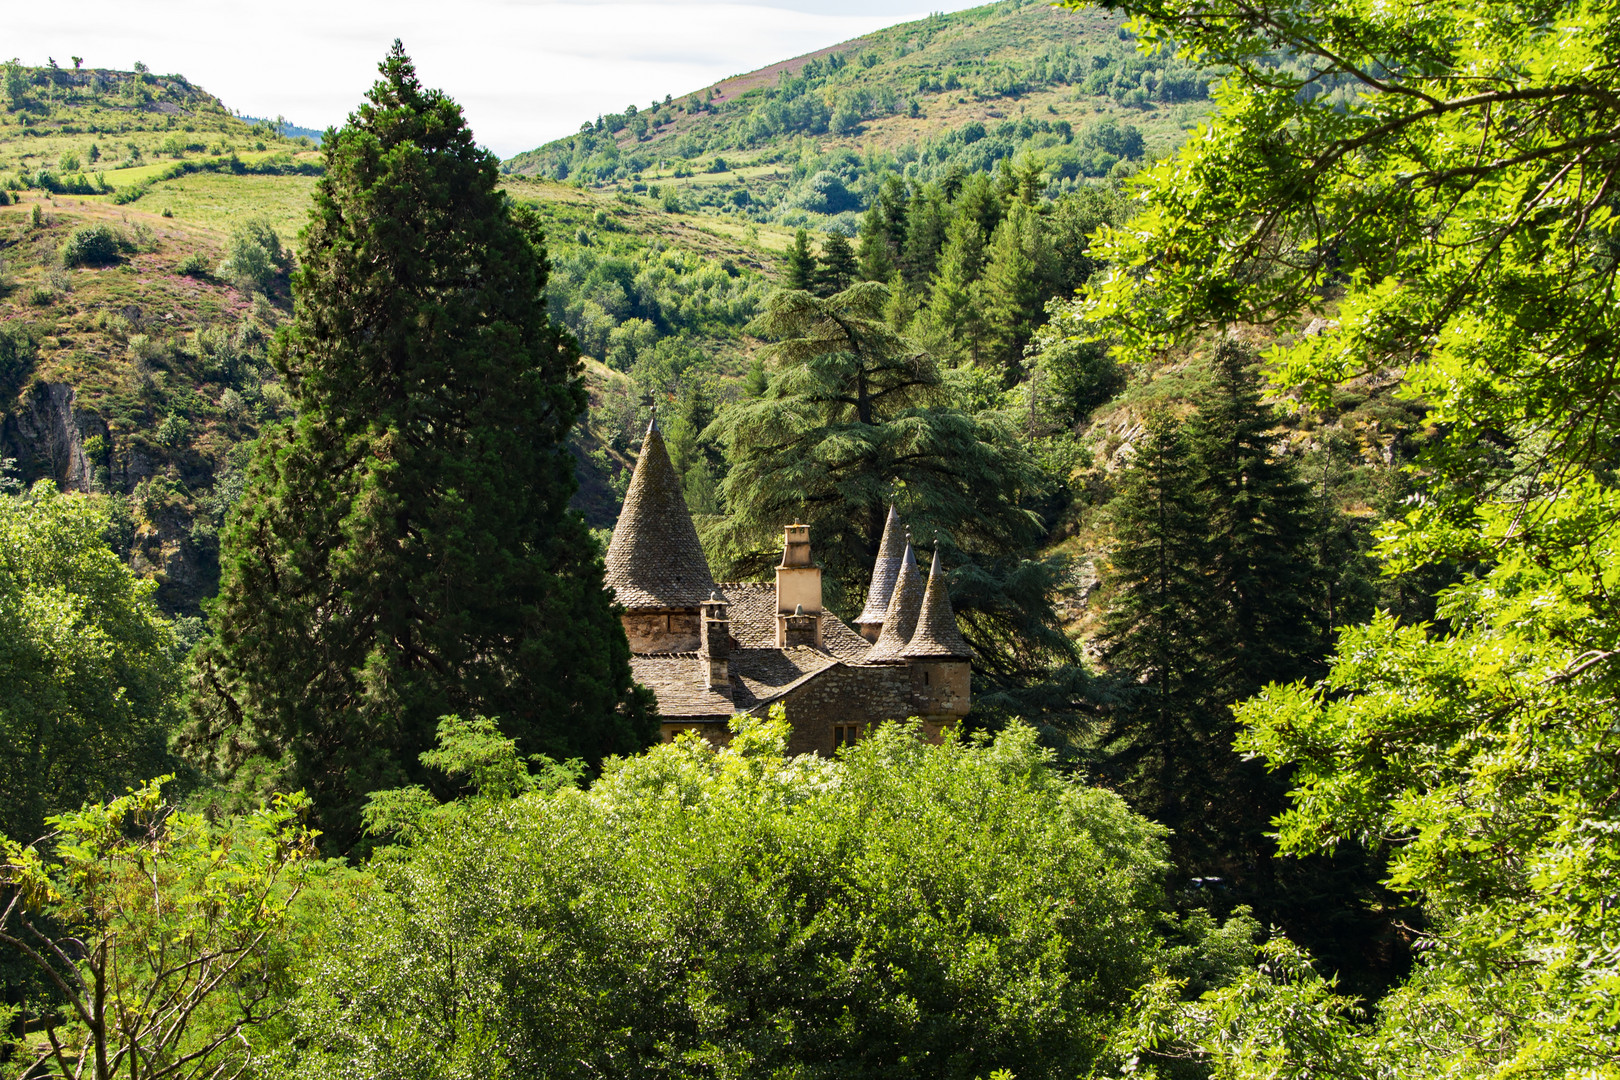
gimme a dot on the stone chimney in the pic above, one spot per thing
(798, 591)
(714, 646)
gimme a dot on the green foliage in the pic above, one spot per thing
(163, 937)
(837, 269)
(855, 418)
(905, 910)
(255, 261)
(1443, 169)
(799, 265)
(91, 673)
(404, 550)
(95, 245)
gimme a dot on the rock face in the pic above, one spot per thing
(46, 434)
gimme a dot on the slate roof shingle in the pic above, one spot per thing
(677, 681)
(900, 621)
(752, 608)
(936, 634)
(654, 559)
(886, 571)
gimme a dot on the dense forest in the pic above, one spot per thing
(1272, 470)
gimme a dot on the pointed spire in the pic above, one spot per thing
(655, 560)
(886, 571)
(904, 606)
(936, 636)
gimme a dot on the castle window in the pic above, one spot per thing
(845, 734)
(925, 678)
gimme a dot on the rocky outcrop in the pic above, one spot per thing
(45, 432)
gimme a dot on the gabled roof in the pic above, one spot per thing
(655, 560)
(752, 608)
(900, 621)
(936, 635)
(886, 571)
(677, 681)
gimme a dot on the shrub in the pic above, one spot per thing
(95, 245)
(194, 265)
(175, 431)
(42, 296)
(904, 911)
(254, 258)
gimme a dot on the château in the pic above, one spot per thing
(710, 650)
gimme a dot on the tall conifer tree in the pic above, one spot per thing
(1157, 635)
(799, 264)
(838, 268)
(404, 549)
(1012, 293)
(854, 413)
(952, 324)
(1262, 532)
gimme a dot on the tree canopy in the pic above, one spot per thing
(404, 548)
(91, 671)
(855, 418)
(1436, 180)
(906, 910)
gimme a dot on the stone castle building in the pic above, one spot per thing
(710, 650)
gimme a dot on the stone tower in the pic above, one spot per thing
(885, 572)
(941, 664)
(655, 565)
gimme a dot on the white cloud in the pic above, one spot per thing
(525, 70)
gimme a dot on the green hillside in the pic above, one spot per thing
(961, 92)
(140, 375)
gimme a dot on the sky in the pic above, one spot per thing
(526, 71)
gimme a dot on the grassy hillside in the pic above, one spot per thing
(962, 92)
(143, 375)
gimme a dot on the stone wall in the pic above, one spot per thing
(842, 696)
(941, 690)
(661, 632)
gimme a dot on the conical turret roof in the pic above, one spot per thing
(655, 560)
(936, 636)
(904, 606)
(886, 571)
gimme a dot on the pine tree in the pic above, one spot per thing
(404, 550)
(853, 415)
(1157, 636)
(838, 268)
(799, 265)
(1261, 532)
(1011, 290)
(1216, 578)
(876, 257)
(953, 326)
(928, 221)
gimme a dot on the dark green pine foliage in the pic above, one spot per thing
(1162, 738)
(875, 255)
(799, 265)
(1216, 576)
(1262, 533)
(839, 268)
(855, 416)
(404, 549)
